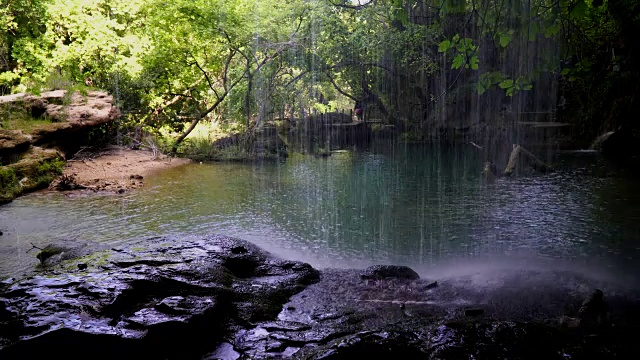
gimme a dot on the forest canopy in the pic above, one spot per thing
(243, 62)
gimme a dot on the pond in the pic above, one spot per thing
(425, 206)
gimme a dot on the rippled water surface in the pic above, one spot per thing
(412, 205)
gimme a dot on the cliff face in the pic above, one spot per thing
(38, 131)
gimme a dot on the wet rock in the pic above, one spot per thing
(275, 346)
(474, 312)
(224, 351)
(432, 285)
(594, 310)
(175, 291)
(49, 251)
(53, 254)
(285, 326)
(239, 250)
(378, 272)
(372, 345)
(192, 299)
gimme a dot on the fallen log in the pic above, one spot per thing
(518, 153)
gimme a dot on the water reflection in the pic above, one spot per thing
(413, 205)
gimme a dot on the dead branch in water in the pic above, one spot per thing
(34, 247)
(518, 153)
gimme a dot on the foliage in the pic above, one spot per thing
(173, 64)
(7, 178)
(9, 187)
(464, 50)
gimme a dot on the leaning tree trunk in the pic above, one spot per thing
(180, 139)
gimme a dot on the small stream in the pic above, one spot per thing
(427, 207)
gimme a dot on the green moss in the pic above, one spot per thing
(28, 175)
(9, 185)
(14, 116)
(49, 251)
(47, 171)
(96, 259)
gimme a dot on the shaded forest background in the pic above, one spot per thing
(431, 68)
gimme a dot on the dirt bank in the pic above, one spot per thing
(114, 168)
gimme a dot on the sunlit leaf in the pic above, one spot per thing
(474, 62)
(505, 84)
(457, 62)
(444, 46)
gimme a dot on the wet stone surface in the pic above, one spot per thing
(171, 299)
(221, 298)
(348, 316)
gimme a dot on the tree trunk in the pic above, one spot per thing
(520, 152)
(195, 122)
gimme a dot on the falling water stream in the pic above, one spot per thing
(426, 206)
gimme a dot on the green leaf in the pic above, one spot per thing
(506, 84)
(474, 62)
(565, 71)
(527, 87)
(444, 46)
(8, 76)
(579, 10)
(480, 88)
(551, 30)
(505, 39)
(457, 62)
(510, 91)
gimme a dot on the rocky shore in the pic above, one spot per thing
(216, 297)
(49, 127)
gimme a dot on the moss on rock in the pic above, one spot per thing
(36, 169)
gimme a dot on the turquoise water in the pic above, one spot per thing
(422, 206)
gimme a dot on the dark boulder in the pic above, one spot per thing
(173, 299)
(379, 272)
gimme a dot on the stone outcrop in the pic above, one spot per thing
(12, 143)
(216, 297)
(27, 161)
(174, 299)
(69, 114)
(34, 169)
